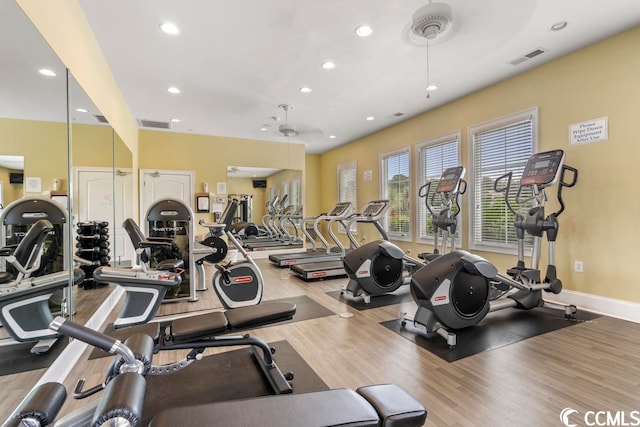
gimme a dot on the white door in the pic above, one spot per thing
(95, 202)
(155, 185)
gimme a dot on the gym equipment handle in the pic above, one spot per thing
(564, 183)
(84, 334)
(95, 338)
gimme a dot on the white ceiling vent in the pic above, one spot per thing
(154, 124)
(528, 56)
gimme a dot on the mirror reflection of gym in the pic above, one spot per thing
(255, 187)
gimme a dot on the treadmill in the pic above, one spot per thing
(372, 213)
(341, 209)
(282, 240)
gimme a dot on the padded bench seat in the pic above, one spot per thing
(210, 324)
(341, 407)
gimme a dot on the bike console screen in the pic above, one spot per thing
(543, 168)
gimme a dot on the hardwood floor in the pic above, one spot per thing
(592, 365)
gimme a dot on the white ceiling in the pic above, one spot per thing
(236, 61)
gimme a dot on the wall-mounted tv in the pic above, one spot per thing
(16, 177)
(259, 183)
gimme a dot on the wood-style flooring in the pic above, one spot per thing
(589, 366)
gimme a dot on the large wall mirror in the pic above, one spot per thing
(255, 187)
(33, 132)
(49, 131)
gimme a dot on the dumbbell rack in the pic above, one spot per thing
(92, 245)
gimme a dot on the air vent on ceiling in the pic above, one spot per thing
(154, 124)
(395, 115)
(528, 56)
(101, 119)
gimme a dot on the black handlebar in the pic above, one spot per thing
(564, 183)
(423, 191)
(84, 334)
(505, 189)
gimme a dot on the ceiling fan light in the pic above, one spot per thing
(432, 87)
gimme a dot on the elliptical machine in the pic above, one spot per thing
(378, 268)
(450, 187)
(453, 291)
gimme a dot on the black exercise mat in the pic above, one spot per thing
(225, 376)
(496, 330)
(18, 358)
(400, 296)
(306, 309)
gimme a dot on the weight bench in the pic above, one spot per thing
(384, 405)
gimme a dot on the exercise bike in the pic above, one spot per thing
(454, 290)
(237, 284)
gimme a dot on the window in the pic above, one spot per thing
(433, 157)
(347, 187)
(498, 147)
(395, 185)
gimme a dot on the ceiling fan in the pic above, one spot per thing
(296, 132)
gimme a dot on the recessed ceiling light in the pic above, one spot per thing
(328, 65)
(47, 72)
(174, 90)
(170, 28)
(306, 89)
(558, 26)
(370, 118)
(175, 120)
(332, 137)
(432, 87)
(82, 110)
(364, 30)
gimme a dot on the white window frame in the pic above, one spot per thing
(421, 212)
(474, 199)
(343, 185)
(383, 193)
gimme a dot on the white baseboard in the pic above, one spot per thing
(61, 367)
(602, 305)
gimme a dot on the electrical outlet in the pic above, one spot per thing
(578, 266)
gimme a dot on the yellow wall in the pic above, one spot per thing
(43, 145)
(311, 184)
(92, 145)
(602, 80)
(10, 192)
